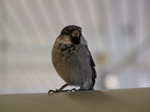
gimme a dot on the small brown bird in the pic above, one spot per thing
(72, 59)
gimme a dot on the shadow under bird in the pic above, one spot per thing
(72, 59)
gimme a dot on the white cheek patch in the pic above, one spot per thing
(64, 39)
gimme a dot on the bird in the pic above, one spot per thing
(72, 59)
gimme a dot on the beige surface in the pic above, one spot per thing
(128, 100)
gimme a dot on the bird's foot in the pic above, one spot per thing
(73, 90)
(56, 91)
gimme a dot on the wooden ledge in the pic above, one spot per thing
(123, 100)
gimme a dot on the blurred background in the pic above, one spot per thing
(117, 32)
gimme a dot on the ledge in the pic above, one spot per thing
(123, 100)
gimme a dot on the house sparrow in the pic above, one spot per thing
(72, 59)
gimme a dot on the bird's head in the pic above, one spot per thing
(71, 34)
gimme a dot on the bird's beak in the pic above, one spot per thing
(75, 33)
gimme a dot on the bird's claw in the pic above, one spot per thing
(57, 91)
(73, 90)
(54, 91)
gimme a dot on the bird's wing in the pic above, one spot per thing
(92, 64)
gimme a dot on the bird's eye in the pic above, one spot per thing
(66, 33)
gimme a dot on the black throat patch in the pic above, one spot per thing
(75, 40)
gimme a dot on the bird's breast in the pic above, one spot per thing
(67, 63)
